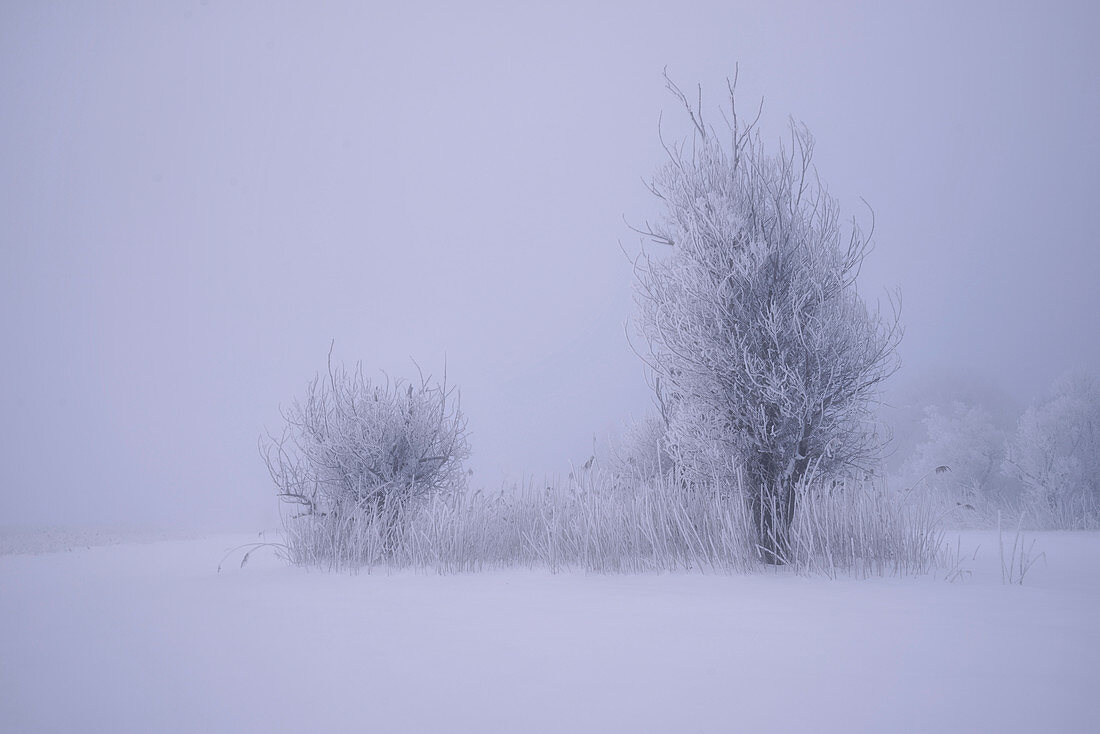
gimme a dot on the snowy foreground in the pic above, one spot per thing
(150, 637)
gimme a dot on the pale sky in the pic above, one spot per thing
(198, 197)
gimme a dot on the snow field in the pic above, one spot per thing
(141, 638)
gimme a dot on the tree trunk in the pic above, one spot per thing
(772, 512)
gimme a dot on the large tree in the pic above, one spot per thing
(766, 357)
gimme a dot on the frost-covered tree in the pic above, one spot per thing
(767, 356)
(1056, 453)
(354, 446)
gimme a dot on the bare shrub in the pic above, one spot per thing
(357, 456)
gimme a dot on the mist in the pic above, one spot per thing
(201, 199)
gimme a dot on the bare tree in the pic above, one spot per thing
(767, 357)
(352, 446)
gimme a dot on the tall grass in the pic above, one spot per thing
(866, 530)
(597, 524)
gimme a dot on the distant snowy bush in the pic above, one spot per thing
(356, 453)
(640, 454)
(1039, 470)
(967, 444)
(965, 438)
(1056, 455)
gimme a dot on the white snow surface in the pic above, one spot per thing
(150, 637)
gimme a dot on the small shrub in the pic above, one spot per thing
(356, 455)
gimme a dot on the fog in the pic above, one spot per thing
(198, 199)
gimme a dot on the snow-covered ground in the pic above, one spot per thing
(151, 638)
(55, 539)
